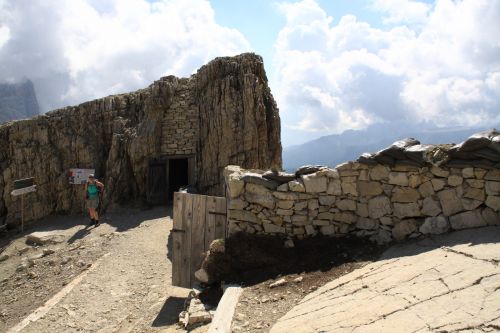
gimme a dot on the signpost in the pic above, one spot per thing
(22, 187)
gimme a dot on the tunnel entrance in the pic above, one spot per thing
(178, 175)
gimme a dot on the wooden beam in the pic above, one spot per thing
(223, 317)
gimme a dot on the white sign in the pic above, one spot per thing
(79, 176)
(23, 190)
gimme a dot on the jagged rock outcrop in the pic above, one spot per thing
(17, 101)
(224, 114)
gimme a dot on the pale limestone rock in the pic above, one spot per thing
(300, 205)
(349, 188)
(321, 222)
(403, 229)
(330, 173)
(379, 172)
(45, 237)
(257, 189)
(326, 200)
(435, 225)
(334, 187)
(310, 230)
(285, 204)
(490, 216)
(414, 181)
(349, 173)
(479, 173)
(426, 189)
(276, 220)
(405, 194)
(325, 216)
(296, 186)
(282, 188)
(493, 202)
(430, 207)
(471, 219)
(312, 204)
(237, 204)
(299, 231)
(468, 172)
(272, 228)
(348, 179)
(286, 196)
(369, 189)
(450, 203)
(440, 172)
(379, 206)
(471, 204)
(314, 183)
(346, 204)
(474, 193)
(345, 217)
(492, 188)
(406, 210)
(493, 174)
(454, 180)
(398, 178)
(243, 215)
(438, 184)
(235, 186)
(366, 224)
(265, 200)
(386, 220)
(363, 175)
(362, 210)
(327, 230)
(475, 183)
(299, 220)
(284, 212)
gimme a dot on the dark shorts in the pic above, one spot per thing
(92, 203)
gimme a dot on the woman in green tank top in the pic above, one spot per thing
(92, 189)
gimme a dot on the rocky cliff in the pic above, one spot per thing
(224, 114)
(17, 101)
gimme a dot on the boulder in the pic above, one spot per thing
(477, 141)
(379, 172)
(367, 158)
(403, 229)
(379, 206)
(296, 186)
(308, 169)
(349, 188)
(406, 210)
(471, 219)
(490, 216)
(314, 183)
(45, 237)
(435, 225)
(280, 177)
(431, 207)
(397, 149)
(450, 202)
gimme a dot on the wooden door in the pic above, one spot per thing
(157, 183)
(198, 220)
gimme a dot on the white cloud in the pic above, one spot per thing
(402, 11)
(333, 76)
(83, 49)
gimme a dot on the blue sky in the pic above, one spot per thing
(333, 65)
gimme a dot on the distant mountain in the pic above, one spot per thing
(17, 101)
(335, 149)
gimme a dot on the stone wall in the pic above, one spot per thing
(393, 201)
(224, 114)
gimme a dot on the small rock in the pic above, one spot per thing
(22, 267)
(288, 244)
(4, 257)
(32, 275)
(47, 252)
(280, 282)
(24, 250)
(80, 263)
(298, 279)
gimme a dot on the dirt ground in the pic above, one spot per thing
(118, 275)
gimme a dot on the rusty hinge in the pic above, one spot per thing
(217, 213)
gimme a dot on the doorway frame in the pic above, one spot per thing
(191, 161)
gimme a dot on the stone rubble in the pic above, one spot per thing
(416, 190)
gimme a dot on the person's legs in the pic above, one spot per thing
(91, 215)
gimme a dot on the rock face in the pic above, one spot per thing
(385, 202)
(224, 114)
(17, 101)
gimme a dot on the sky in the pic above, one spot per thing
(332, 65)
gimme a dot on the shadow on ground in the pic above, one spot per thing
(169, 313)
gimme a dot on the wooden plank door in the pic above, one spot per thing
(198, 220)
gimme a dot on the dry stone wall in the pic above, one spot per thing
(224, 114)
(382, 201)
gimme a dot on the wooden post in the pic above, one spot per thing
(22, 212)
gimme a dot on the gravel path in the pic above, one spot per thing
(120, 279)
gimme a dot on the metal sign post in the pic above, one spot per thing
(22, 187)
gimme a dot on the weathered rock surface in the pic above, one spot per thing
(224, 114)
(45, 237)
(448, 284)
(17, 101)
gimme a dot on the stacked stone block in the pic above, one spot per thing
(374, 200)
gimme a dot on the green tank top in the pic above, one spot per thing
(92, 190)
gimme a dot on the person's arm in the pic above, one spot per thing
(99, 184)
